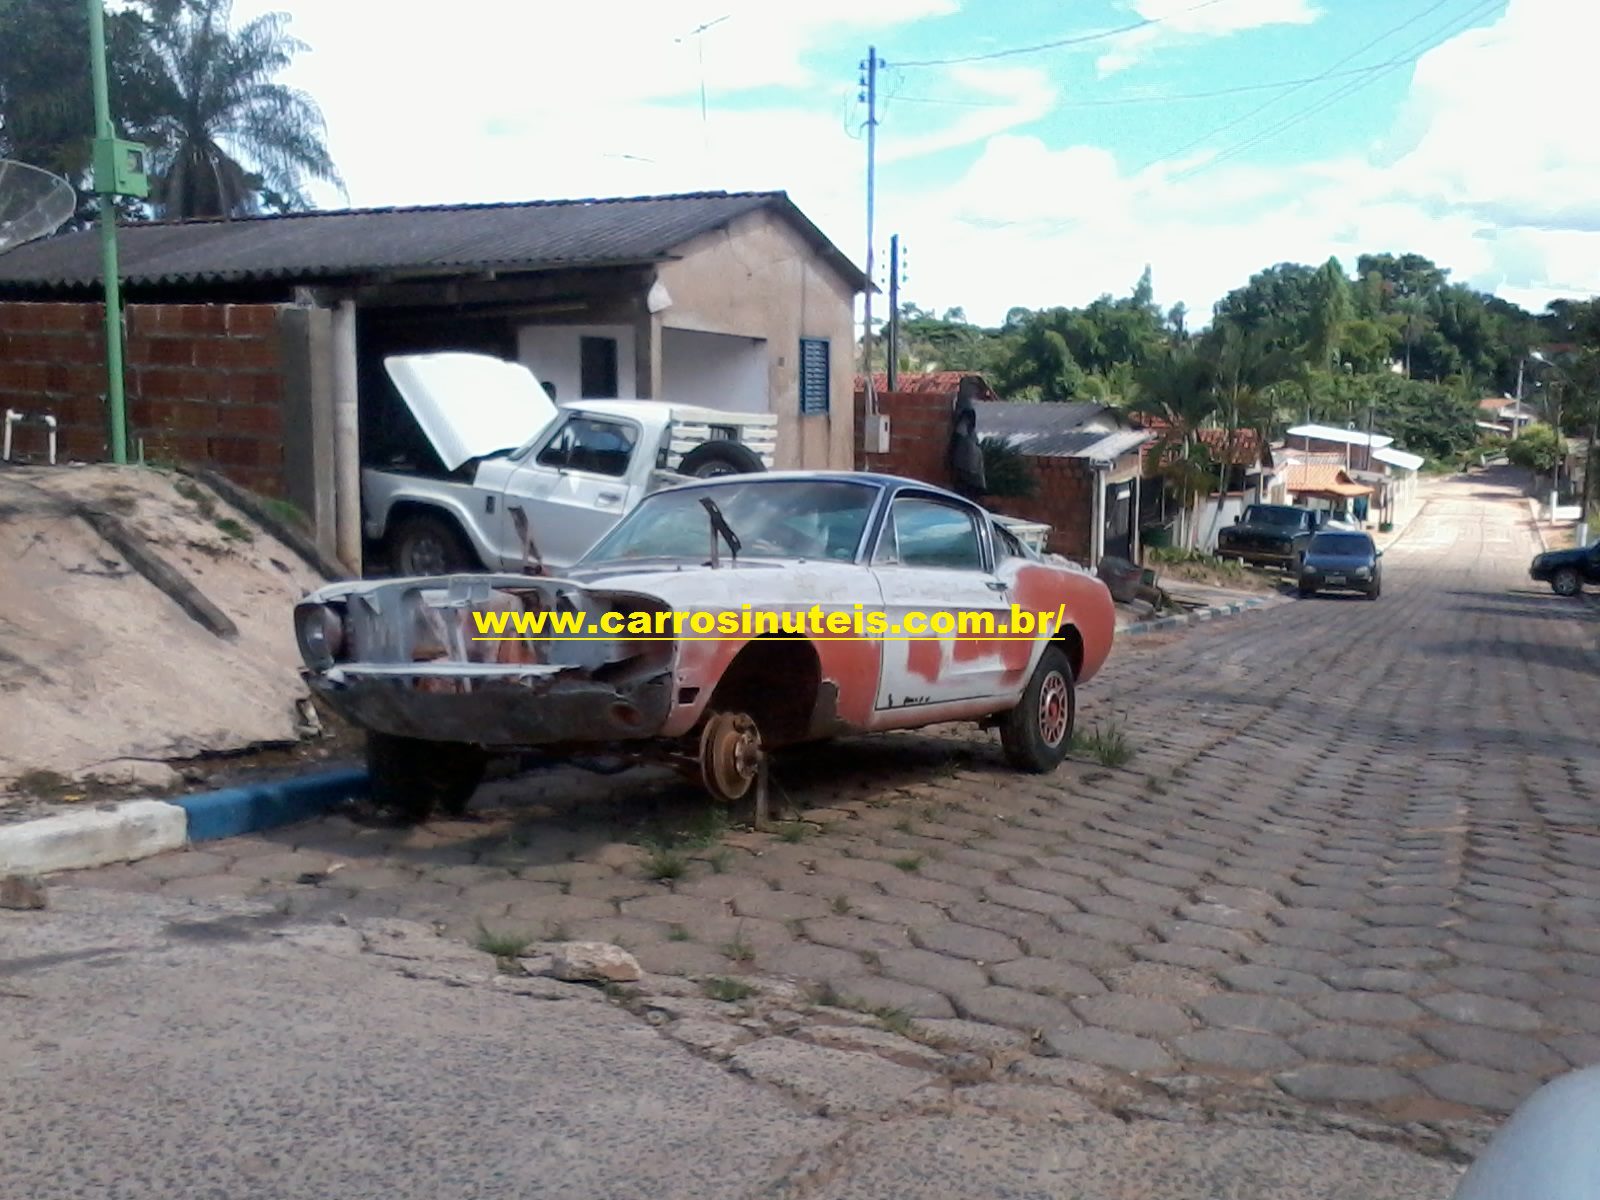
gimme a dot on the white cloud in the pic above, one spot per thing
(1488, 169)
(1190, 20)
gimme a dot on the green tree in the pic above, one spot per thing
(226, 134)
(1537, 449)
(1330, 313)
(1177, 387)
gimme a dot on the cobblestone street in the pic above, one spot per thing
(1352, 866)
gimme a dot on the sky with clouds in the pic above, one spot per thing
(1030, 152)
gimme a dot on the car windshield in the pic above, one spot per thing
(1345, 545)
(794, 518)
(1272, 516)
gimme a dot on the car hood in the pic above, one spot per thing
(1262, 530)
(1563, 558)
(471, 405)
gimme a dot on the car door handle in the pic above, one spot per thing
(996, 585)
(609, 497)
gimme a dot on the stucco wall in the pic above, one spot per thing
(552, 353)
(759, 278)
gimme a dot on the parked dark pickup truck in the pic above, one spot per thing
(1269, 535)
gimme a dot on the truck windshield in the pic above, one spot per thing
(787, 518)
(1255, 515)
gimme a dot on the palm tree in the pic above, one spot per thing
(229, 139)
(1177, 389)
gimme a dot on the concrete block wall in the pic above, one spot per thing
(205, 384)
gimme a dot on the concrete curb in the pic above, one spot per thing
(1211, 613)
(137, 829)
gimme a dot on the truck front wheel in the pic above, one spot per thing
(420, 544)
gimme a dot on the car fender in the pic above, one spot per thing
(383, 493)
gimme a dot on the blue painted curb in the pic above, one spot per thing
(236, 811)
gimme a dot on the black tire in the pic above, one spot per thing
(420, 544)
(1023, 731)
(710, 459)
(1566, 582)
(1373, 591)
(411, 777)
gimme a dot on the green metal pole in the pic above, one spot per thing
(108, 235)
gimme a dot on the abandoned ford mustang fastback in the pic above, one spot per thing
(787, 578)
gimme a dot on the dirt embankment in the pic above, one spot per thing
(106, 676)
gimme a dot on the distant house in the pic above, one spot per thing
(1354, 444)
(1246, 473)
(1087, 458)
(1326, 487)
(1503, 415)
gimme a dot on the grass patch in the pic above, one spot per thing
(502, 943)
(234, 531)
(285, 511)
(895, 1020)
(739, 950)
(824, 995)
(663, 864)
(909, 862)
(905, 825)
(1107, 745)
(720, 860)
(679, 934)
(841, 904)
(794, 831)
(200, 497)
(728, 991)
(46, 785)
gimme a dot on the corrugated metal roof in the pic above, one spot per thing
(541, 234)
(1403, 459)
(1002, 417)
(1330, 433)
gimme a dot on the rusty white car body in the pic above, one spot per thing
(400, 657)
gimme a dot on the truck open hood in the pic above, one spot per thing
(471, 405)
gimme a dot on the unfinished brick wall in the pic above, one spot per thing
(919, 436)
(204, 384)
(919, 440)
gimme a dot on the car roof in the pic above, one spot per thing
(867, 478)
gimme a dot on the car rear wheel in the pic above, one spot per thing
(710, 459)
(1566, 582)
(1036, 733)
(410, 777)
(426, 545)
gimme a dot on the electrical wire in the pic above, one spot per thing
(1315, 79)
(1455, 27)
(1059, 43)
(1170, 98)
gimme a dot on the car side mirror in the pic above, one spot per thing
(1239, 520)
(1377, 554)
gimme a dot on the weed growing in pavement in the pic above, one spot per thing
(720, 860)
(679, 934)
(739, 950)
(910, 862)
(1107, 745)
(794, 831)
(663, 864)
(905, 825)
(502, 944)
(824, 995)
(841, 904)
(729, 991)
(895, 1020)
(1155, 787)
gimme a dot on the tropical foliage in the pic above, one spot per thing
(225, 138)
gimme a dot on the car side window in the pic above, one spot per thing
(1006, 543)
(587, 444)
(930, 533)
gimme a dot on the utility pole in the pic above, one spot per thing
(869, 93)
(894, 311)
(105, 188)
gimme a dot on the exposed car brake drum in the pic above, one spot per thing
(730, 755)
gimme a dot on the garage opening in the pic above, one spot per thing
(715, 370)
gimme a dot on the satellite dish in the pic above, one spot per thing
(33, 203)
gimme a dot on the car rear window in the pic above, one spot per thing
(1341, 543)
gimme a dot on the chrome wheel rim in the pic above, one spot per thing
(1055, 708)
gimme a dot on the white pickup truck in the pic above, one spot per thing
(525, 478)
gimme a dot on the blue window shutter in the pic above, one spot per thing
(813, 376)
